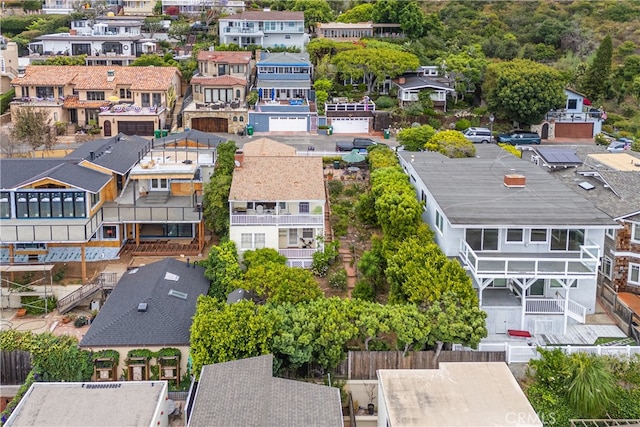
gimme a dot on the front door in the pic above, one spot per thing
(545, 131)
(107, 128)
(501, 322)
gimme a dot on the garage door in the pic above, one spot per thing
(136, 128)
(351, 125)
(574, 130)
(210, 124)
(287, 124)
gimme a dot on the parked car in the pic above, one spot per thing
(359, 144)
(620, 145)
(478, 135)
(519, 138)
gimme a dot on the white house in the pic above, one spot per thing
(277, 200)
(425, 78)
(531, 247)
(578, 119)
(264, 28)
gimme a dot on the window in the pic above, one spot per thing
(95, 96)
(156, 99)
(558, 284)
(635, 232)
(538, 235)
(246, 240)
(125, 94)
(307, 233)
(498, 283)
(5, 205)
(145, 99)
(47, 205)
(61, 92)
(610, 232)
(288, 37)
(177, 230)
(303, 207)
(439, 222)
(109, 232)
(423, 199)
(481, 239)
(536, 289)
(241, 118)
(572, 104)
(515, 235)
(634, 274)
(44, 91)
(237, 93)
(95, 199)
(293, 237)
(159, 184)
(566, 240)
(607, 267)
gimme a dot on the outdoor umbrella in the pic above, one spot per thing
(353, 157)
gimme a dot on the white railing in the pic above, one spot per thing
(525, 353)
(277, 219)
(560, 116)
(297, 253)
(581, 265)
(577, 311)
(544, 306)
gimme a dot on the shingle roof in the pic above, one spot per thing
(284, 58)
(167, 319)
(244, 393)
(95, 77)
(219, 81)
(118, 153)
(471, 191)
(16, 173)
(192, 135)
(270, 172)
(273, 15)
(226, 57)
(419, 82)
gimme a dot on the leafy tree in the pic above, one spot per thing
(415, 139)
(523, 90)
(360, 13)
(153, 24)
(363, 291)
(411, 327)
(466, 68)
(151, 59)
(216, 191)
(261, 257)
(385, 11)
(370, 319)
(591, 386)
(179, 30)
(12, 147)
(223, 269)
(596, 79)
(452, 144)
(33, 126)
(374, 65)
(63, 60)
(157, 8)
(412, 20)
(398, 213)
(278, 283)
(314, 11)
(321, 48)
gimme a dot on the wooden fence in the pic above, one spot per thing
(362, 365)
(622, 315)
(14, 367)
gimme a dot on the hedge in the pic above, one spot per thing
(5, 99)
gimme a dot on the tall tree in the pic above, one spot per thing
(278, 283)
(359, 13)
(596, 80)
(522, 90)
(314, 11)
(223, 269)
(414, 139)
(33, 126)
(216, 191)
(153, 24)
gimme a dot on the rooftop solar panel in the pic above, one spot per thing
(559, 156)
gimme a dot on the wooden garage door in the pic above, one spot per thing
(210, 124)
(574, 130)
(136, 128)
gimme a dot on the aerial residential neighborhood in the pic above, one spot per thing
(268, 213)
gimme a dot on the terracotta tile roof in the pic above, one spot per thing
(274, 15)
(73, 102)
(219, 81)
(226, 57)
(267, 147)
(95, 77)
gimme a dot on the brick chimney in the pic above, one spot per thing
(514, 181)
(238, 159)
(402, 80)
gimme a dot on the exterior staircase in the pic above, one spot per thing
(105, 281)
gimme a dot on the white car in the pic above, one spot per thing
(620, 145)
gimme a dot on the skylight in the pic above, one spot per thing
(171, 276)
(178, 294)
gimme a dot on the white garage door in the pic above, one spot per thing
(287, 124)
(351, 125)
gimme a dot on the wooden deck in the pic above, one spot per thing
(160, 248)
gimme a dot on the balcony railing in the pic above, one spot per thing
(549, 265)
(574, 310)
(297, 253)
(276, 219)
(151, 214)
(562, 116)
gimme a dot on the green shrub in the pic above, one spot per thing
(338, 280)
(321, 259)
(364, 291)
(335, 188)
(511, 149)
(36, 305)
(5, 99)
(462, 124)
(385, 102)
(600, 139)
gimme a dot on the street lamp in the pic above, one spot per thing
(491, 119)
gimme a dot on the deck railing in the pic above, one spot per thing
(297, 253)
(151, 214)
(544, 306)
(540, 265)
(255, 219)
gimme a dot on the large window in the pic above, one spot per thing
(482, 239)
(607, 267)
(538, 235)
(566, 240)
(178, 230)
(156, 99)
(145, 99)
(303, 207)
(125, 94)
(634, 274)
(5, 205)
(50, 204)
(109, 232)
(515, 235)
(95, 96)
(44, 91)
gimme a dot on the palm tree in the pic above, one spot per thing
(591, 386)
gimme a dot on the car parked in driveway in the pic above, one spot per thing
(478, 135)
(519, 137)
(620, 145)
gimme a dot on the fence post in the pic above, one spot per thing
(599, 350)
(349, 364)
(507, 352)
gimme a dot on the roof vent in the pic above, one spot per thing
(586, 186)
(142, 307)
(111, 75)
(178, 294)
(171, 276)
(514, 181)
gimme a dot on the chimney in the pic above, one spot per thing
(92, 155)
(402, 80)
(514, 181)
(238, 158)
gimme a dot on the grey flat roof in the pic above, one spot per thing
(457, 394)
(15, 173)
(118, 153)
(471, 191)
(245, 393)
(130, 403)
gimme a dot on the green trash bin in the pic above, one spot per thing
(165, 133)
(336, 164)
(249, 130)
(157, 133)
(330, 130)
(387, 134)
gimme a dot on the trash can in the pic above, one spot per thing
(157, 133)
(387, 133)
(336, 164)
(249, 130)
(165, 133)
(330, 130)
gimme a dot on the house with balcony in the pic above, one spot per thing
(285, 102)
(106, 40)
(129, 100)
(65, 7)
(531, 247)
(426, 78)
(277, 200)
(343, 31)
(578, 119)
(195, 7)
(219, 90)
(265, 28)
(353, 117)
